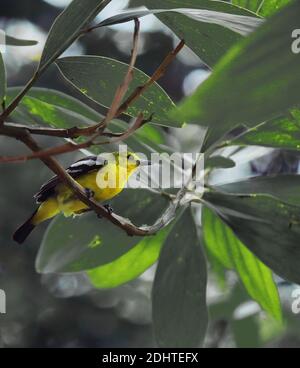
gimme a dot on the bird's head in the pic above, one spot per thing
(127, 160)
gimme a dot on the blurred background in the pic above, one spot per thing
(65, 310)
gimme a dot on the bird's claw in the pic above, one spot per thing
(89, 193)
(109, 208)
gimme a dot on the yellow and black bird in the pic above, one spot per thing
(55, 197)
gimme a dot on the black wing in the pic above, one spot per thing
(77, 169)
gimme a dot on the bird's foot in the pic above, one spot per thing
(89, 193)
(109, 208)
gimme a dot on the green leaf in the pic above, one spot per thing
(52, 108)
(219, 162)
(12, 41)
(209, 41)
(264, 8)
(260, 68)
(279, 133)
(99, 77)
(283, 187)
(180, 315)
(238, 23)
(2, 80)
(49, 107)
(131, 265)
(256, 277)
(268, 227)
(86, 242)
(67, 27)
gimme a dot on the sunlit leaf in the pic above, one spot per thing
(268, 227)
(43, 106)
(86, 242)
(278, 133)
(262, 7)
(238, 23)
(256, 277)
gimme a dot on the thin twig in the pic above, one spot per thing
(72, 147)
(24, 134)
(117, 220)
(159, 72)
(123, 88)
(77, 132)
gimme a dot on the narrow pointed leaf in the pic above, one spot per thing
(268, 227)
(130, 265)
(219, 162)
(209, 41)
(67, 27)
(86, 242)
(13, 41)
(281, 133)
(262, 7)
(262, 66)
(256, 277)
(48, 107)
(237, 23)
(282, 187)
(179, 292)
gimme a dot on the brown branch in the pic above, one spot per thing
(117, 220)
(160, 71)
(123, 88)
(24, 134)
(70, 146)
(76, 132)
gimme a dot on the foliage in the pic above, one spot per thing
(251, 226)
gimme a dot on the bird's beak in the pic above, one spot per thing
(144, 163)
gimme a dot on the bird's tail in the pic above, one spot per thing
(24, 231)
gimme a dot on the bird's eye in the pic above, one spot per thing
(129, 157)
